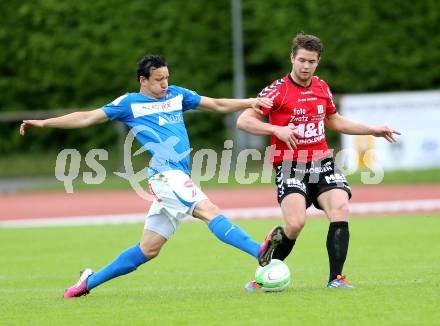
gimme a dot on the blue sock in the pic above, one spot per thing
(126, 262)
(234, 235)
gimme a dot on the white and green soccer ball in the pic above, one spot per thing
(273, 277)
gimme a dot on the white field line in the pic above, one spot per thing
(408, 206)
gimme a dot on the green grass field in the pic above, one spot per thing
(394, 264)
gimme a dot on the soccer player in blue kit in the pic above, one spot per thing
(155, 116)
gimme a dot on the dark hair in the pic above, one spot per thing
(307, 42)
(148, 63)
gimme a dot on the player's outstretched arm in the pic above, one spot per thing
(250, 121)
(228, 105)
(68, 121)
(339, 123)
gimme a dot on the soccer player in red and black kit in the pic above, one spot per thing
(305, 171)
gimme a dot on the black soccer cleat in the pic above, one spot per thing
(273, 239)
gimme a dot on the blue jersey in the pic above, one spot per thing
(158, 125)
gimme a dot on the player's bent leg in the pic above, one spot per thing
(293, 207)
(150, 244)
(335, 204)
(223, 229)
(206, 211)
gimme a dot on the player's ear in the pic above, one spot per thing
(142, 79)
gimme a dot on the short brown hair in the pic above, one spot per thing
(307, 42)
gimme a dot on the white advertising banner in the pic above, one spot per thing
(415, 114)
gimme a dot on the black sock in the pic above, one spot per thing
(284, 248)
(337, 247)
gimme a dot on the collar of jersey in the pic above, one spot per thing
(296, 84)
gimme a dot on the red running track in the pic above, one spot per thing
(50, 204)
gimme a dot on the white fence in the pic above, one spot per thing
(415, 114)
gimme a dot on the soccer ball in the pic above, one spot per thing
(273, 277)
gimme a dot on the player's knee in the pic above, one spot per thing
(148, 251)
(206, 211)
(293, 227)
(340, 212)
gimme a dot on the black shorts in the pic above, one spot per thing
(309, 179)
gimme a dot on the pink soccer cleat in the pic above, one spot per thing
(80, 288)
(339, 282)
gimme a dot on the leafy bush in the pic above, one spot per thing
(83, 54)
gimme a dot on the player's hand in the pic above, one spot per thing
(288, 135)
(30, 123)
(261, 102)
(265, 102)
(385, 132)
